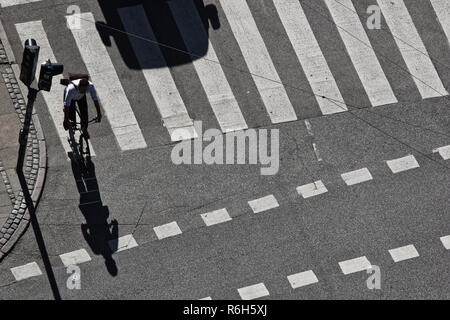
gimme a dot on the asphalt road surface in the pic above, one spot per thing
(383, 102)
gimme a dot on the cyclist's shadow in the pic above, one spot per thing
(97, 232)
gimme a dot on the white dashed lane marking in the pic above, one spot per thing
(402, 164)
(356, 176)
(403, 253)
(122, 243)
(215, 217)
(312, 189)
(302, 279)
(206, 298)
(75, 257)
(263, 204)
(26, 271)
(444, 152)
(253, 292)
(446, 242)
(355, 265)
(167, 230)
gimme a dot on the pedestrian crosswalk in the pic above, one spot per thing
(214, 76)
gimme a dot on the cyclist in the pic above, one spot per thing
(75, 92)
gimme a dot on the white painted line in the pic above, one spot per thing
(111, 93)
(253, 292)
(446, 242)
(122, 243)
(402, 164)
(310, 56)
(312, 189)
(167, 230)
(302, 279)
(258, 61)
(444, 152)
(263, 204)
(361, 53)
(159, 79)
(10, 3)
(412, 48)
(403, 253)
(26, 271)
(215, 217)
(309, 127)
(356, 176)
(442, 9)
(316, 152)
(206, 298)
(209, 70)
(75, 257)
(53, 98)
(355, 265)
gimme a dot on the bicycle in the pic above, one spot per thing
(80, 151)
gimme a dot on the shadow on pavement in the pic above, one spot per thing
(160, 16)
(97, 232)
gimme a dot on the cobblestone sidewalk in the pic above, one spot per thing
(14, 216)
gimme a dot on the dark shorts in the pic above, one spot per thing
(83, 107)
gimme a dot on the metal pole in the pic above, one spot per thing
(23, 138)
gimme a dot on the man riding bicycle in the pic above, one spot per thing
(75, 92)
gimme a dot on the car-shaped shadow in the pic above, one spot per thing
(162, 17)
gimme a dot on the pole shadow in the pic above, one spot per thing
(97, 231)
(159, 14)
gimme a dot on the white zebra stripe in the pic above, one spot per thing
(112, 96)
(412, 48)
(209, 70)
(258, 61)
(10, 3)
(159, 79)
(53, 98)
(310, 56)
(442, 9)
(361, 53)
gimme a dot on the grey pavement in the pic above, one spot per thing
(143, 189)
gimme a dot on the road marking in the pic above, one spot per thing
(412, 48)
(361, 53)
(122, 243)
(215, 217)
(402, 164)
(263, 204)
(403, 253)
(206, 298)
(355, 265)
(253, 292)
(53, 98)
(159, 79)
(442, 9)
(309, 128)
(356, 176)
(312, 189)
(26, 271)
(209, 70)
(302, 279)
(446, 242)
(258, 61)
(112, 96)
(75, 257)
(316, 152)
(167, 230)
(444, 152)
(10, 3)
(310, 56)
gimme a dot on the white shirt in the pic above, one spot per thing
(71, 92)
